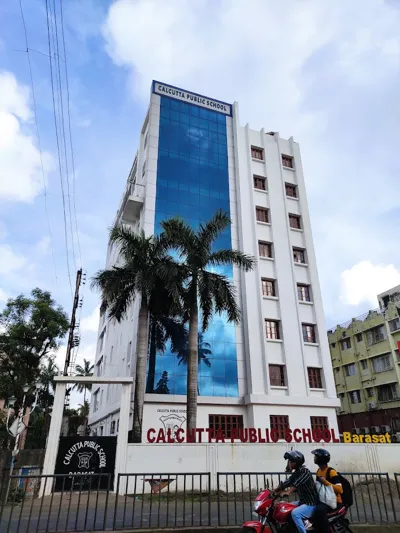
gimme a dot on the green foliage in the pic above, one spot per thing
(31, 329)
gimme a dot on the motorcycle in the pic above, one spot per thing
(275, 517)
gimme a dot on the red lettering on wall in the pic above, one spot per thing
(219, 437)
(288, 435)
(149, 433)
(326, 435)
(259, 437)
(334, 438)
(178, 434)
(199, 432)
(316, 435)
(307, 435)
(274, 434)
(252, 435)
(295, 435)
(234, 434)
(160, 437)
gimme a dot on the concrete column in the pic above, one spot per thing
(53, 439)
(122, 439)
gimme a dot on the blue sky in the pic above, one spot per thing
(327, 73)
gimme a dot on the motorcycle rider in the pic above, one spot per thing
(320, 516)
(301, 481)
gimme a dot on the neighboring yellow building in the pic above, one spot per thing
(366, 365)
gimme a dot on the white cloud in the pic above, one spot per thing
(43, 246)
(90, 323)
(364, 281)
(3, 296)
(21, 177)
(9, 261)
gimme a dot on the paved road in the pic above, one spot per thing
(102, 511)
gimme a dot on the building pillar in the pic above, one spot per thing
(53, 439)
(122, 439)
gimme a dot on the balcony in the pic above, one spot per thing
(132, 203)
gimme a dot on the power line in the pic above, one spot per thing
(70, 134)
(62, 121)
(38, 138)
(58, 147)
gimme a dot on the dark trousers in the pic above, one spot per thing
(320, 518)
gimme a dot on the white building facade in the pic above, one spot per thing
(274, 369)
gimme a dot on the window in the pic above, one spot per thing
(101, 430)
(287, 161)
(102, 337)
(272, 329)
(345, 344)
(129, 353)
(260, 183)
(95, 401)
(262, 214)
(257, 153)
(359, 337)
(265, 249)
(337, 370)
(279, 423)
(388, 393)
(350, 370)
(364, 365)
(376, 335)
(304, 293)
(112, 428)
(145, 141)
(355, 396)
(382, 363)
(333, 344)
(294, 221)
(277, 375)
(226, 423)
(394, 324)
(268, 287)
(299, 255)
(117, 425)
(319, 422)
(144, 169)
(291, 190)
(309, 334)
(315, 378)
(370, 392)
(99, 368)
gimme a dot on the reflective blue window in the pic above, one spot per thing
(192, 181)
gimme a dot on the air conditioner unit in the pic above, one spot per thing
(365, 430)
(376, 429)
(357, 431)
(371, 405)
(385, 429)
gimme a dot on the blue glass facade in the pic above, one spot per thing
(192, 182)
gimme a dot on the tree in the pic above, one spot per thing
(138, 276)
(162, 385)
(47, 374)
(84, 371)
(31, 329)
(203, 349)
(204, 289)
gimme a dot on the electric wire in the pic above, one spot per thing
(58, 146)
(70, 134)
(39, 141)
(62, 128)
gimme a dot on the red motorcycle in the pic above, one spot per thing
(274, 517)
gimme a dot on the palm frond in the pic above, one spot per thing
(232, 257)
(118, 286)
(224, 296)
(206, 298)
(209, 232)
(179, 235)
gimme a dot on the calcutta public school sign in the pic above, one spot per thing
(178, 435)
(192, 98)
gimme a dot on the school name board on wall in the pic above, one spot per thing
(178, 435)
(192, 98)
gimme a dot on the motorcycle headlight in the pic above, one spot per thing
(256, 505)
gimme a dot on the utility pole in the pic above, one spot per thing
(72, 339)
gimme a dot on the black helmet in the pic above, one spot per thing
(294, 456)
(322, 456)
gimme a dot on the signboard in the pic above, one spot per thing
(191, 98)
(179, 435)
(81, 456)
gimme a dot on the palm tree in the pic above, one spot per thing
(204, 351)
(163, 328)
(138, 276)
(47, 374)
(84, 371)
(162, 385)
(83, 412)
(204, 289)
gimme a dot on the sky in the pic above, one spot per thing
(326, 73)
